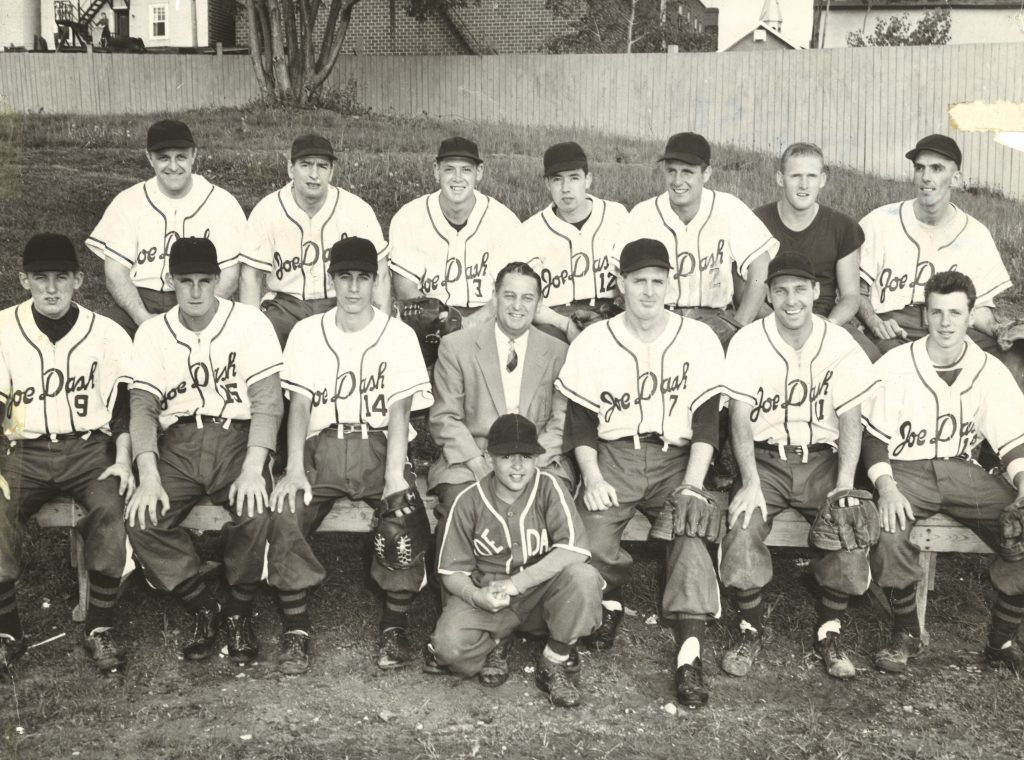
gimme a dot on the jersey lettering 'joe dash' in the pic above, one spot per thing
(67, 387)
(701, 253)
(294, 248)
(371, 370)
(141, 224)
(455, 266)
(900, 255)
(206, 373)
(797, 396)
(643, 387)
(574, 264)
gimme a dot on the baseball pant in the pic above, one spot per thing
(722, 321)
(965, 492)
(285, 310)
(746, 563)
(38, 470)
(644, 479)
(349, 467)
(194, 462)
(155, 301)
(566, 608)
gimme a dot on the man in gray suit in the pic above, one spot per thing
(503, 366)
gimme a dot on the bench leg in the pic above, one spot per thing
(78, 561)
(927, 560)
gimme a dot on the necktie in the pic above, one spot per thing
(513, 358)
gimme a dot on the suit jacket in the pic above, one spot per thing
(468, 397)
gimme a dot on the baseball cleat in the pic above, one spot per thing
(837, 662)
(1007, 658)
(495, 670)
(431, 665)
(101, 647)
(604, 636)
(294, 657)
(11, 649)
(242, 643)
(691, 691)
(203, 641)
(902, 647)
(395, 649)
(739, 659)
(553, 679)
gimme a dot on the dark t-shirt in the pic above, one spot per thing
(830, 237)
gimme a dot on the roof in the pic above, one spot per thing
(913, 5)
(761, 25)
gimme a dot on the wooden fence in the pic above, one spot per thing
(865, 107)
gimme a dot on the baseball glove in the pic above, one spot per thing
(1011, 531)
(1007, 333)
(689, 511)
(848, 520)
(431, 320)
(401, 531)
(584, 316)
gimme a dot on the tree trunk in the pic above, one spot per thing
(256, 47)
(278, 57)
(629, 26)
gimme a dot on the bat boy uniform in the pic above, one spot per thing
(206, 378)
(939, 396)
(513, 557)
(795, 382)
(135, 234)
(63, 376)
(353, 374)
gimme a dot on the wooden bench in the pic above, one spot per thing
(935, 535)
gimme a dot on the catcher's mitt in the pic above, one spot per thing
(584, 316)
(431, 320)
(401, 531)
(689, 511)
(848, 520)
(1011, 531)
(1007, 333)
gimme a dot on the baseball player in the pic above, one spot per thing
(571, 244)
(354, 375)
(291, 232)
(63, 384)
(795, 383)
(644, 425)
(513, 557)
(828, 238)
(141, 224)
(938, 396)
(206, 380)
(446, 245)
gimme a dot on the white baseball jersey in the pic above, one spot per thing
(66, 387)
(141, 224)
(208, 372)
(353, 378)
(921, 417)
(900, 255)
(294, 248)
(702, 252)
(797, 396)
(643, 387)
(455, 266)
(573, 264)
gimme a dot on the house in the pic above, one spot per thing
(972, 21)
(766, 34)
(19, 23)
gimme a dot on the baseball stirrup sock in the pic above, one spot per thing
(750, 607)
(10, 623)
(693, 627)
(396, 609)
(294, 614)
(102, 598)
(556, 651)
(195, 596)
(904, 610)
(1007, 615)
(240, 599)
(831, 605)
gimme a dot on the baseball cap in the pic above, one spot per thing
(459, 147)
(193, 255)
(312, 145)
(564, 157)
(688, 147)
(792, 264)
(641, 253)
(513, 434)
(49, 252)
(353, 254)
(169, 133)
(944, 146)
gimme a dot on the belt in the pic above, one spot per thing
(654, 438)
(799, 450)
(361, 429)
(82, 435)
(199, 420)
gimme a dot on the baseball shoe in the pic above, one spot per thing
(837, 662)
(739, 659)
(691, 691)
(395, 649)
(901, 647)
(242, 643)
(103, 650)
(431, 664)
(495, 670)
(294, 657)
(203, 641)
(572, 665)
(553, 679)
(11, 649)
(1009, 658)
(604, 636)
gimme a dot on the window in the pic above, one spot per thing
(158, 21)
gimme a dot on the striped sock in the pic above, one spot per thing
(1007, 615)
(396, 609)
(294, 613)
(10, 623)
(102, 597)
(751, 608)
(195, 596)
(240, 599)
(831, 605)
(904, 609)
